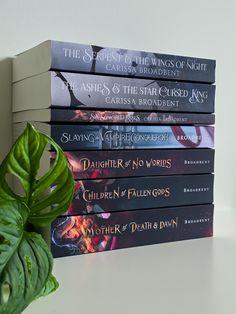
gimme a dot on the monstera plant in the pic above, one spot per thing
(25, 259)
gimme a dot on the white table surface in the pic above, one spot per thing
(188, 277)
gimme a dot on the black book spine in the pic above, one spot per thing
(114, 61)
(130, 117)
(108, 195)
(133, 163)
(96, 233)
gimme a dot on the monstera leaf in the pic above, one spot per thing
(25, 260)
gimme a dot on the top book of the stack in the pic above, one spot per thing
(73, 57)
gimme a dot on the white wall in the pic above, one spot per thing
(195, 28)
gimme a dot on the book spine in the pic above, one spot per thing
(114, 61)
(133, 163)
(101, 232)
(108, 195)
(113, 137)
(107, 92)
(134, 117)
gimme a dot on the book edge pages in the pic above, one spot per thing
(32, 93)
(33, 61)
(41, 115)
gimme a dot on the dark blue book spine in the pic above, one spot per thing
(115, 61)
(113, 137)
(122, 194)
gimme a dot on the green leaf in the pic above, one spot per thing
(25, 260)
(51, 286)
(23, 161)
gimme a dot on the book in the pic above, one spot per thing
(92, 233)
(135, 163)
(114, 117)
(84, 91)
(113, 137)
(75, 57)
(121, 194)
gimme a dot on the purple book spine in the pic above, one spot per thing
(134, 163)
(130, 117)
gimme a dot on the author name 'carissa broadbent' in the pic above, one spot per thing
(57, 89)
(160, 93)
(110, 92)
(81, 58)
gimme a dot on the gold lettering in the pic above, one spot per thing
(173, 223)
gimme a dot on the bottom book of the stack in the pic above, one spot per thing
(81, 234)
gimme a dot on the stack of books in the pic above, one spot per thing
(137, 130)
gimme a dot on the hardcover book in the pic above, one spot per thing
(73, 90)
(121, 194)
(101, 232)
(113, 137)
(114, 117)
(135, 163)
